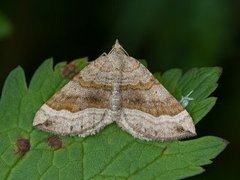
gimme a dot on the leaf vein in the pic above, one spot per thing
(150, 163)
(124, 148)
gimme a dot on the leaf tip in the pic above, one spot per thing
(49, 61)
(214, 99)
(18, 69)
(220, 141)
(220, 69)
(225, 142)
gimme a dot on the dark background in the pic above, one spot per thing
(166, 33)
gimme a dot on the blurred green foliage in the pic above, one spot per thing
(5, 26)
(180, 33)
(168, 34)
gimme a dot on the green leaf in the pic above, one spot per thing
(110, 154)
(170, 79)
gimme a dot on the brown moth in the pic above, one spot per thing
(115, 87)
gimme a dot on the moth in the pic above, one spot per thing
(115, 88)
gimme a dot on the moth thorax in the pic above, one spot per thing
(115, 101)
(115, 98)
